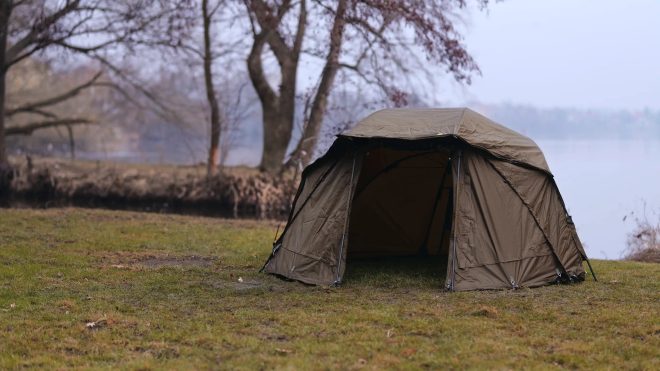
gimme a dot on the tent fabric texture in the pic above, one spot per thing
(445, 182)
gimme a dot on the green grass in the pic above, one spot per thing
(166, 289)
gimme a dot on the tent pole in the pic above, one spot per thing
(348, 213)
(455, 196)
(591, 269)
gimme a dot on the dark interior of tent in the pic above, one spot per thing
(402, 207)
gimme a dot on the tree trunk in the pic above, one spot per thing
(5, 169)
(3, 147)
(305, 148)
(278, 107)
(276, 138)
(278, 121)
(214, 148)
(5, 10)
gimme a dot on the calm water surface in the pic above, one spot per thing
(601, 182)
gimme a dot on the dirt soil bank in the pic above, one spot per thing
(237, 192)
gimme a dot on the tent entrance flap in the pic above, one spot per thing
(402, 204)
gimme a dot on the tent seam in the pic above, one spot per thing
(460, 122)
(454, 263)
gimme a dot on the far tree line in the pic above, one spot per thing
(376, 45)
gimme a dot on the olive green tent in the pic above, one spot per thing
(432, 181)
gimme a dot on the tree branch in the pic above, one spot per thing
(300, 31)
(31, 127)
(256, 71)
(35, 106)
(37, 29)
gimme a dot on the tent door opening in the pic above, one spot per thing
(403, 206)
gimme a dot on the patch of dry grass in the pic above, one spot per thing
(57, 278)
(644, 240)
(237, 191)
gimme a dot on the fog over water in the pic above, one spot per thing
(601, 182)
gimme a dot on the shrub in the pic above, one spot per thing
(644, 240)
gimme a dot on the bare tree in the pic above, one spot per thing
(209, 47)
(377, 41)
(84, 27)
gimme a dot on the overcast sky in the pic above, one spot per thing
(602, 54)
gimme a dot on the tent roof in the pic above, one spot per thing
(473, 128)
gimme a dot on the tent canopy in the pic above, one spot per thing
(463, 123)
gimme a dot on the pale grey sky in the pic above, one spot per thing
(602, 54)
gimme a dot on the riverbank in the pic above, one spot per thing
(237, 192)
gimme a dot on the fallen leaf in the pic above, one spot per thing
(486, 311)
(408, 352)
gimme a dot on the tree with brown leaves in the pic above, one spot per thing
(375, 40)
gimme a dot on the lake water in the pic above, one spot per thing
(601, 182)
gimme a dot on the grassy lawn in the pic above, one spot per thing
(106, 289)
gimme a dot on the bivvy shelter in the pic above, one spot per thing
(431, 181)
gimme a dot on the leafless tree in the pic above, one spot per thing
(209, 47)
(85, 27)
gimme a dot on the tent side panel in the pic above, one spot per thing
(310, 247)
(498, 243)
(541, 195)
